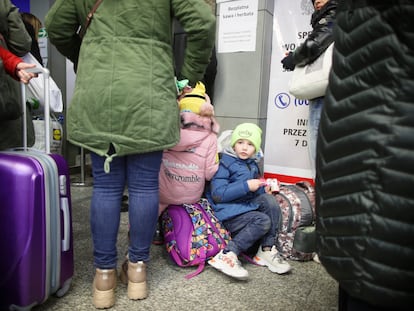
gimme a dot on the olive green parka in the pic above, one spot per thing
(125, 92)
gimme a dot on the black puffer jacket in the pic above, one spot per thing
(365, 165)
(320, 38)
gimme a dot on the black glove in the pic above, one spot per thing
(288, 62)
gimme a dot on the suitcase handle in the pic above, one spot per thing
(64, 206)
(46, 74)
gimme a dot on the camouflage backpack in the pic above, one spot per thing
(296, 237)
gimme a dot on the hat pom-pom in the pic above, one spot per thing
(207, 109)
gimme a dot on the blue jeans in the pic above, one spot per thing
(261, 224)
(315, 110)
(139, 172)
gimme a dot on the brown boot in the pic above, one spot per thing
(137, 280)
(124, 272)
(104, 285)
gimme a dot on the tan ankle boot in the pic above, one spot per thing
(137, 280)
(124, 272)
(104, 285)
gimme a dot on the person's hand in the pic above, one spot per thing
(22, 74)
(254, 184)
(264, 184)
(288, 62)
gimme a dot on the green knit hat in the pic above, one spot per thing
(249, 131)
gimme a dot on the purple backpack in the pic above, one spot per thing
(192, 234)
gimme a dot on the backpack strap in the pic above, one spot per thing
(306, 185)
(177, 258)
(201, 263)
(89, 18)
(205, 208)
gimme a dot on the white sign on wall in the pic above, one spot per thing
(42, 41)
(237, 26)
(286, 149)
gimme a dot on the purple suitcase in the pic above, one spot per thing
(35, 226)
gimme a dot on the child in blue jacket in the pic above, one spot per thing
(243, 203)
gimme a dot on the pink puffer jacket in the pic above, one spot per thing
(186, 167)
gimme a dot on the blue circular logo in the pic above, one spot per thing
(282, 100)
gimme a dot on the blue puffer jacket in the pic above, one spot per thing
(365, 165)
(229, 193)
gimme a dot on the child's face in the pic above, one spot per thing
(318, 4)
(244, 149)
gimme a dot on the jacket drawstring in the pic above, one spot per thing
(107, 163)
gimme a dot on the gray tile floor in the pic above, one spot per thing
(308, 287)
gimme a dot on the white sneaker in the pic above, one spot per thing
(316, 258)
(229, 264)
(272, 260)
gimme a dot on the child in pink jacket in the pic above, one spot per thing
(186, 167)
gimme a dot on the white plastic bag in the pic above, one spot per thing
(56, 136)
(35, 88)
(311, 81)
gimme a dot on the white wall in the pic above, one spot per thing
(242, 82)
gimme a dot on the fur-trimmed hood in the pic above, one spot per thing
(195, 130)
(195, 121)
